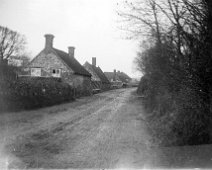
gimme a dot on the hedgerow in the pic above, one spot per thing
(29, 93)
(177, 105)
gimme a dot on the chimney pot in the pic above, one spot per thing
(71, 50)
(49, 40)
(94, 61)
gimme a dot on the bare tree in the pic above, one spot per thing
(11, 43)
(142, 18)
(179, 62)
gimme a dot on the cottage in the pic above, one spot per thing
(118, 79)
(114, 79)
(124, 78)
(98, 78)
(51, 62)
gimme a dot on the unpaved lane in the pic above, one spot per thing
(106, 132)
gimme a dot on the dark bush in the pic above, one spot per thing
(177, 103)
(29, 93)
(143, 86)
(176, 118)
(193, 119)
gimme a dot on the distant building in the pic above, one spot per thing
(114, 79)
(118, 79)
(98, 78)
(51, 62)
(134, 82)
(124, 78)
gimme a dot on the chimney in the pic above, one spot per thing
(71, 51)
(94, 61)
(49, 40)
(114, 75)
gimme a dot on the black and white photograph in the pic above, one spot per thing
(105, 84)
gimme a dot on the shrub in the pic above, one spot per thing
(29, 93)
(161, 117)
(143, 86)
(177, 118)
(193, 122)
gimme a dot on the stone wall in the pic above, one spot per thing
(48, 61)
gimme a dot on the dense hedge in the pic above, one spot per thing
(175, 118)
(176, 100)
(28, 93)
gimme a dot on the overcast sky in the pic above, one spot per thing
(89, 25)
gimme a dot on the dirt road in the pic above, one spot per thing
(107, 130)
(102, 131)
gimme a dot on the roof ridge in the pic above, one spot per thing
(72, 63)
(98, 71)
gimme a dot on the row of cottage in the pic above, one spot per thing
(51, 62)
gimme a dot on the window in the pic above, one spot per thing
(56, 72)
(36, 72)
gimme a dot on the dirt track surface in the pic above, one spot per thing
(93, 132)
(107, 130)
